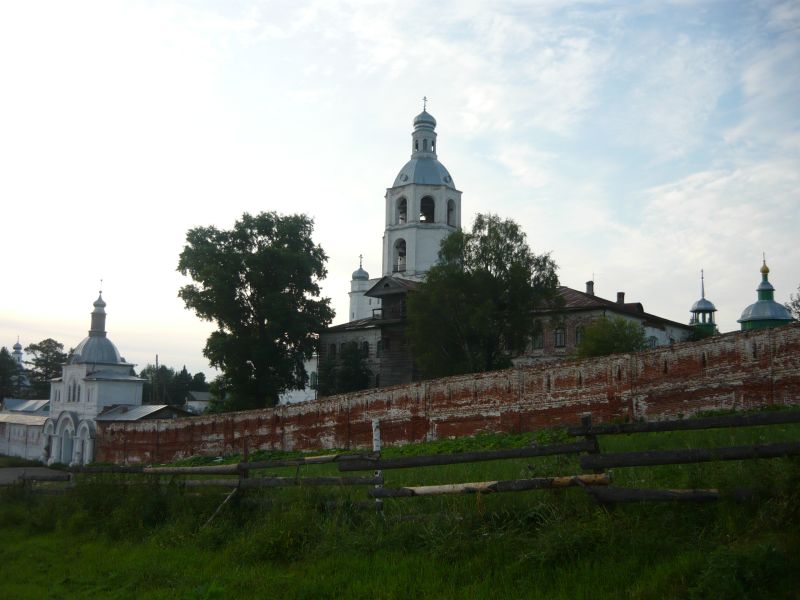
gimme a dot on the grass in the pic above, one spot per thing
(148, 541)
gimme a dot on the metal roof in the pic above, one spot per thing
(135, 413)
(424, 170)
(22, 419)
(26, 406)
(108, 375)
(96, 350)
(765, 310)
(703, 305)
(575, 300)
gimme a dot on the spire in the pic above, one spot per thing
(702, 285)
(98, 327)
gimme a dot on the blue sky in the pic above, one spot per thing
(636, 141)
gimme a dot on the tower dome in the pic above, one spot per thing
(765, 312)
(703, 312)
(423, 206)
(97, 348)
(424, 166)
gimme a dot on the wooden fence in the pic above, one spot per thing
(595, 478)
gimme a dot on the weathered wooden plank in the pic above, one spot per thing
(692, 455)
(615, 494)
(107, 469)
(407, 462)
(259, 482)
(511, 485)
(299, 462)
(202, 470)
(193, 483)
(44, 477)
(756, 419)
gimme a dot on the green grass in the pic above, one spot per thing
(147, 541)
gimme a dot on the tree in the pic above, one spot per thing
(199, 383)
(610, 336)
(9, 374)
(793, 306)
(164, 386)
(259, 283)
(349, 374)
(478, 307)
(48, 357)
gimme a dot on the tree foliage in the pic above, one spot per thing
(47, 359)
(611, 336)
(258, 282)
(478, 307)
(9, 374)
(347, 374)
(164, 385)
(793, 305)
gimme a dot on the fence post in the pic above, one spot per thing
(591, 439)
(376, 448)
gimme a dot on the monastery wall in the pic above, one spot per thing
(739, 370)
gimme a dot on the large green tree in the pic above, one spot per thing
(610, 336)
(9, 374)
(47, 359)
(258, 282)
(478, 307)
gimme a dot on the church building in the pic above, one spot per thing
(422, 207)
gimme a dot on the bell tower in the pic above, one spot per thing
(422, 207)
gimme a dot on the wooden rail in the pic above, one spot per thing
(408, 462)
(753, 420)
(511, 485)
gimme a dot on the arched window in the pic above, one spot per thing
(79, 394)
(425, 145)
(402, 212)
(451, 213)
(399, 259)
(558, 338)
(365, 349)
(433, 145)
(426, 210)
(378, 350)
(416, 145)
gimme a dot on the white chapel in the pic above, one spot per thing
(94, 379)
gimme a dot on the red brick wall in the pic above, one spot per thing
(735, 370)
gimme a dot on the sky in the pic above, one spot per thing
(637, 142)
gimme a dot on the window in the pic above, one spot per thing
(538, 342)
(402, 211)
(313, 381)
(426, 210)
(425, 145)
(578, 334)
(365, 349)
(433, 145)
(399, 261)
(332, 350)
(79, 394)
(652, 342)
(379, 349)
(558, 338)
(451, 213)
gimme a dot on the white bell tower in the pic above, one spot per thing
(422, 207)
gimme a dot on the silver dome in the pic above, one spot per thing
(427, 171)
(360, 274)
(703, 305)
(96, 350)
(765, 310)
